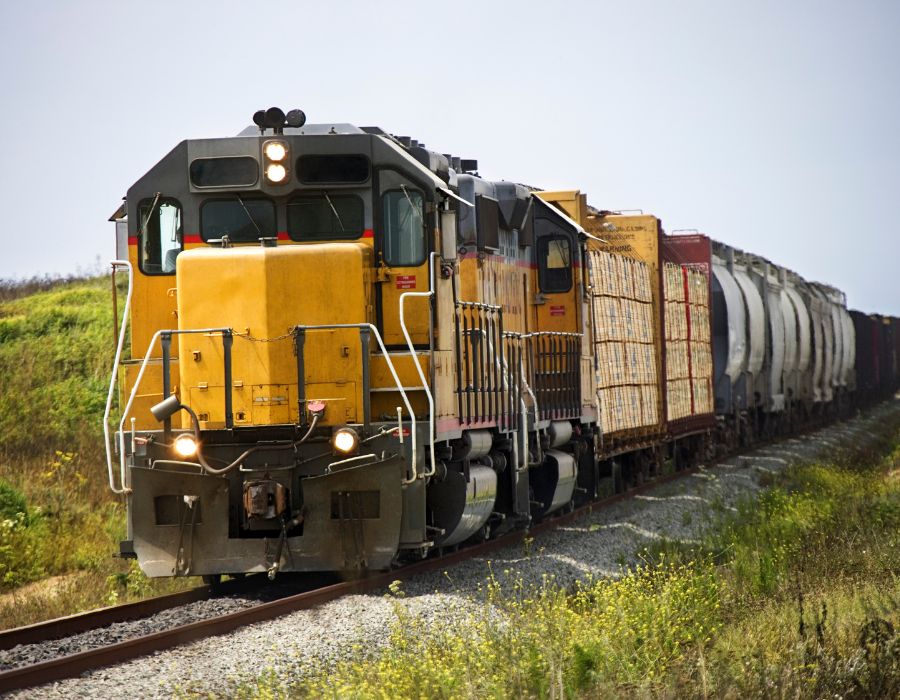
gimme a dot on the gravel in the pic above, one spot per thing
(599, 544)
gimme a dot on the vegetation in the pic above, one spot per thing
(58, 519)
(795, 595)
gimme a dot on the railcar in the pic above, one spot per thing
(346, 350)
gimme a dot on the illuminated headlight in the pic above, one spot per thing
(276, 151)
(345, 440)
(276, 172)
(185, 446)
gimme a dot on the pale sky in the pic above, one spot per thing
(771, 126)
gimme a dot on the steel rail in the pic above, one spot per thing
(100, 617)
(80, 662)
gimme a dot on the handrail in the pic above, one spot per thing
(115, 372)
(137, 383)
(158, 333)
(535, 334)
(429, 294)
(523, 422)
(397, 382)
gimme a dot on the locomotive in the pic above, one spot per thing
(346, 351)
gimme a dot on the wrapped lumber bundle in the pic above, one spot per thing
(689, 369)
(624, 338)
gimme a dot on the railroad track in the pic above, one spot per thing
(72, 665)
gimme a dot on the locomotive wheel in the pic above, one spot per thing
(212, 580)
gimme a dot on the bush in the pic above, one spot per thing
(12, 502)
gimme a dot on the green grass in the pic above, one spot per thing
(58, 517)
(56, 349)
(795, 595)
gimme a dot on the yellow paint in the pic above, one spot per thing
(152, 307)
(572, 202)
(269, 291)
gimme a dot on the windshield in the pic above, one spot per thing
(325, 216)
(241, 219)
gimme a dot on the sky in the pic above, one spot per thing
(772, 126)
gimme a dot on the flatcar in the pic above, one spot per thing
(346, 350)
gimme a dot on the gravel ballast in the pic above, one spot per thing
(599, 544)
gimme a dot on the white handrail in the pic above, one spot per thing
(115, 372)
(371, 328)
(137, 383)
(502, 364)
(415, 358)
(399, 385)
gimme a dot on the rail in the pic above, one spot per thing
(299, 333)
(554, 364)
(115, 371)
(412, 351)
(479, 333)
(166, 383)
(516, 399)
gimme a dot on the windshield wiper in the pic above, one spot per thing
(413, 209)
(252, 220)
(334, 211)
(150, 212)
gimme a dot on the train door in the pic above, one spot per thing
(557, 258)
(402, 248)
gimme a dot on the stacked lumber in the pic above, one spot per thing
(624, 336)
(689, 368)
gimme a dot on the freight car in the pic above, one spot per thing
(348, 350)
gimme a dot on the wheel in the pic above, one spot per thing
(212, 580)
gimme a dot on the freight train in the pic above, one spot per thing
(348, 351)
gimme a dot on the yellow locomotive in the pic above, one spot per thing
(347, 350)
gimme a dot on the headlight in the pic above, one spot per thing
(345, 440)
(275, 151)
(276, 172)
(185, 446)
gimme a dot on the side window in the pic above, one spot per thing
(242, 220)
(554, 264)
(160, 236)
(403, 219)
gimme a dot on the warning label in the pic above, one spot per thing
(557, 310)
(406, 281)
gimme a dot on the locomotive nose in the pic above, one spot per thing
(285, 305)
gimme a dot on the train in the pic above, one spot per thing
(343, 351)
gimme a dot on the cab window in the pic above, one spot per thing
(160, 236)
(242, 219)
(554, 264)
(403, 220)
(325, 217)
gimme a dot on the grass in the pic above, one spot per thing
(57, 516)
(795, 595)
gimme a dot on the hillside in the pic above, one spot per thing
(56, 346)
(59, 522)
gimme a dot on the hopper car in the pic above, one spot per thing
(342, 350)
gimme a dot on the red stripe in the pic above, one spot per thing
(282, 236)
(132, 240)
(687, 316)
(368, 233)
(192, 238)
